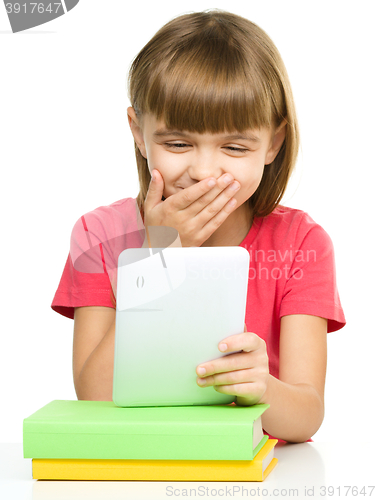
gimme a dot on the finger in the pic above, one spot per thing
(223, 184)
(245, 341)
(232, 362)
(234, 390)
(231, 377)
(219, 198)
(250, 391)
(155, 191)
(214, 215)
(186, 197)
(200, 195)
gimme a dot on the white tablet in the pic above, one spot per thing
(174, 305)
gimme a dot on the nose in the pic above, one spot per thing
(203, 165)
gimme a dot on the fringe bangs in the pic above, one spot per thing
(209, 90)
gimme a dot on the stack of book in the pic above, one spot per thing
(96, 440)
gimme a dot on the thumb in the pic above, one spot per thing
(245, 327)
(155, 191)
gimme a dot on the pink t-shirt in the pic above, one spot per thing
(292, 268)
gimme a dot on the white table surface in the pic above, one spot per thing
(306, 470)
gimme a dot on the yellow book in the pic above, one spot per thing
(158, 470)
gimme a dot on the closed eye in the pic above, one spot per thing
(181, 145)
(241, 150)
(176, 145)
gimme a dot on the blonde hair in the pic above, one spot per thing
(213, 72)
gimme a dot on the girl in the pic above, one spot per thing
(216, 139)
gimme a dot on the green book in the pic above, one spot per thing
(101, 430)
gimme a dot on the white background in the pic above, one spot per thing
(66, 149)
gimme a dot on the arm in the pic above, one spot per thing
(297, 398)
(93, 352)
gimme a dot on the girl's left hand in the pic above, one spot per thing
(244, 374)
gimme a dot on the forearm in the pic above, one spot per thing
(95, 380)
(296, 411)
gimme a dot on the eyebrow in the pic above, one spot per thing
(179, 133)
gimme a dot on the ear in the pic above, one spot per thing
(136, 129)
(276, 143)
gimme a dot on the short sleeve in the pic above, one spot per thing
(97, 239)
(311, 286)
(79, 289)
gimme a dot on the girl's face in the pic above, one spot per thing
(185, 158)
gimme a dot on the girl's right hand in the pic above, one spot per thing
(195, 212)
